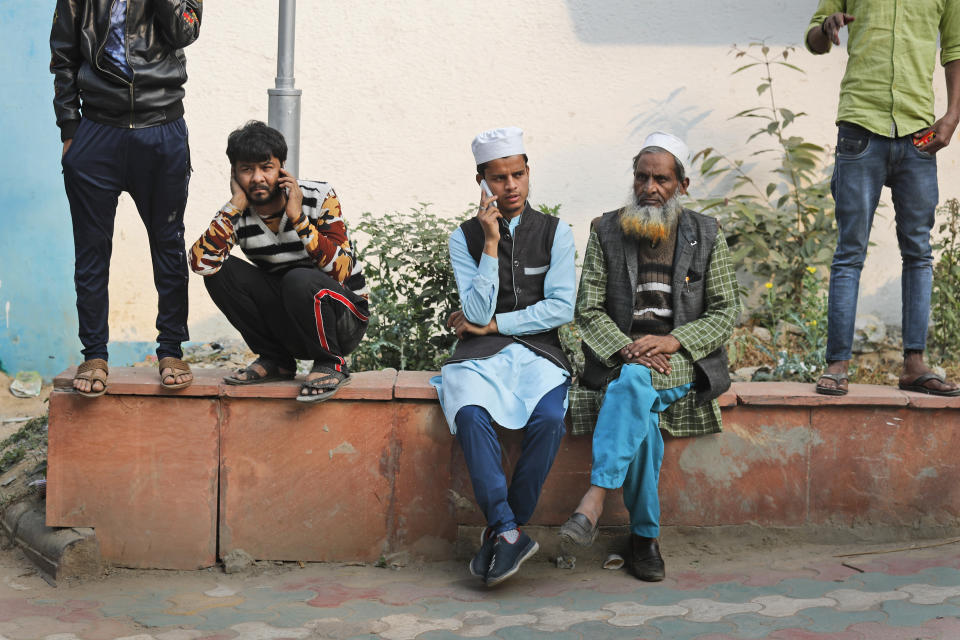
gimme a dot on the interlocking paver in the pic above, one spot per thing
(407, 626)
(739, 592)
(824, 620)
(902, 613)
(803, 634)
(798, 598)
(631, 614)
(526, 633)
(874, 631)
(703, 610)
(883, 582)
(753, 625)
(778, 606)
(667, 596)
(807, 588)
(856, 600)
(592, 630)
(555, 619)
(678, 628)
(929, 594)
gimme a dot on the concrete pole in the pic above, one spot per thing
(283, 112)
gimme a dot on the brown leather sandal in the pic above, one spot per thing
(179, 367)
(94, 370)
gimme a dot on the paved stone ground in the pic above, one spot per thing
(792, 593)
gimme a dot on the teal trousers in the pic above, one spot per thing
(628, 447)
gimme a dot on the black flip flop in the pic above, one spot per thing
(253, 377)
(837, 379)
(919, 385)
(324, 385)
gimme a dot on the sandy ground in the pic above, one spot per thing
(12, 407)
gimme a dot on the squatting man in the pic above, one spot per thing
(303, 293)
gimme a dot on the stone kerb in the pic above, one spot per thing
(163, 476)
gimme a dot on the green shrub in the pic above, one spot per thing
(777, 230)
(412, 290)
(945, 301)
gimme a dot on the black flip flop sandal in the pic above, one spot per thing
(919, 385)
(271, 368)
(837, 379)
(327, 385)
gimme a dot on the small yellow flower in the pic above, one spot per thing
(769, 285)
(812, 270)
(813, 322)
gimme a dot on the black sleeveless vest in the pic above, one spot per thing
(695, 237)
(524, 258)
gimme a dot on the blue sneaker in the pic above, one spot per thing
(507, 557)
(481, 562)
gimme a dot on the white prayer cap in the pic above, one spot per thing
(671, 143)
(497, 143)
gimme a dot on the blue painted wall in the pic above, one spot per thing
(38, 317)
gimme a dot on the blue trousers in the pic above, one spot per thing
(628, 447)
(153, 166)
(507, 509)
(865, 162)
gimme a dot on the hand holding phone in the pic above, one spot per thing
(489, 214)
(923, 137)
(294, 195)
(486, 188)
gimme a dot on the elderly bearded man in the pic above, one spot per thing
(657, 302)
(515, 273)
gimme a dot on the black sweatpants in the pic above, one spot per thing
(153, 166)
(303, 314)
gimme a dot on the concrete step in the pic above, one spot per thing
(178, 479)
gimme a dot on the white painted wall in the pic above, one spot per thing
(394, 92)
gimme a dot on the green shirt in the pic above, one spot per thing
(892, 47)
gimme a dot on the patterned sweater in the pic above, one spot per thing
(319, 239)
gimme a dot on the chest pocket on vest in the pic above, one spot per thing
(536, 271)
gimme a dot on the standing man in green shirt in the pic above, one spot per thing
(887, 136)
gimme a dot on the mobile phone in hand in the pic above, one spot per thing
(925, 138)
(486, 190)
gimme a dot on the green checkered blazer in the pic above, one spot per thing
(699, 337)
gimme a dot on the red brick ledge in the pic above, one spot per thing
(389, 384)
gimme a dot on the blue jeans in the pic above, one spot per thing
(507, 509)
(628, 447)
(865, 162)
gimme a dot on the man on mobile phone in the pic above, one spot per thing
(515, 272)
(657, 303)
(119, 72)
(887, 136)
(304, 295)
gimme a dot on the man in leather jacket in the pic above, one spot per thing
(119, 72)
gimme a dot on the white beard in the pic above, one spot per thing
(651, 222)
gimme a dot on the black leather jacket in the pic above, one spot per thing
(85, 80)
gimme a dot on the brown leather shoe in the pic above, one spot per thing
(645, 559)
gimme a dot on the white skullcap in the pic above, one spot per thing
(671, 143)
(497, 143)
